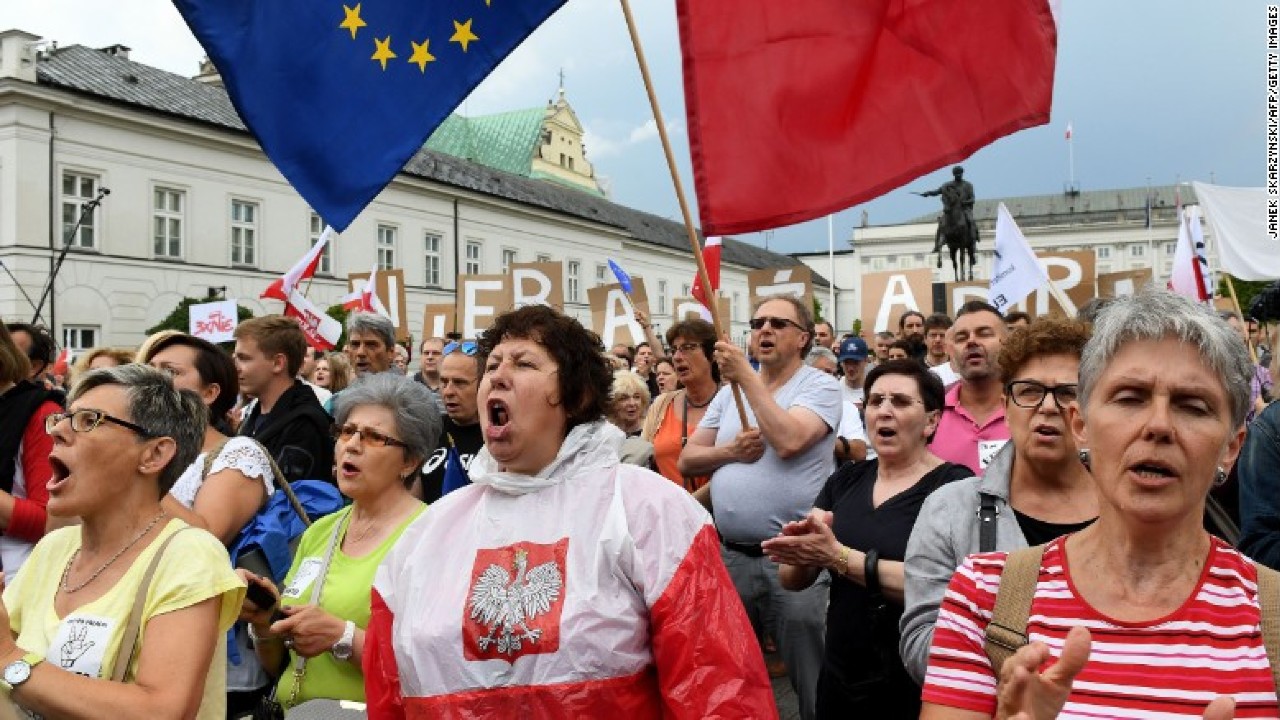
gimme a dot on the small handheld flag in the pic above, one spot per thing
(623, 278)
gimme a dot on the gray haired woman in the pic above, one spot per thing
(386, 426)
(126, 436)
(1144, 612)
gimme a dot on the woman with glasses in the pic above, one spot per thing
(1034, 490)
(858, 532)
(386, 425)
(1143, 613)
(674, 416)
(75, 650)
(560, 583)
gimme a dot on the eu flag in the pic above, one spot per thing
(455, 476)
(341, 96)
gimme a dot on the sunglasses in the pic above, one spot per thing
(776, 323)
(86, 420)
(898, 400)
(467, 348)
(368, 436)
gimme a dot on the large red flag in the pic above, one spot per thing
(797, 111)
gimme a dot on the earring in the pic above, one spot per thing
(1084, 459)
(1220, 477)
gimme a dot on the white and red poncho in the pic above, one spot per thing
(594, 590)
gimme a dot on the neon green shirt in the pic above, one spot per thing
(345, 594)
(193, 569)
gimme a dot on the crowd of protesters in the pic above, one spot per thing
(978, 515)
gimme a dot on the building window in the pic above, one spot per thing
(662, 296)
(78, 338)
(734, 310)
(1170, 248)
(877, 263)
(575, 272)
(167, 220)
(473, 257)
(920, 258)
(684, 290)
(386, 247)
(602, 274)
(244, 232)
(325, 266)
(562, 160)
(431, 243)
(78, 189)
(543, 257)
(508, 259)
(1103, 252)
(1137, 251)
(1168, 268)
(570, 163)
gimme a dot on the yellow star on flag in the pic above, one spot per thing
(462, 34)
(352, 22)
(383, 52)
(422, 54)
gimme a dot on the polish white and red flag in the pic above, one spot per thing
(522, 616)
(365, 298)
(1068, 131)
(711, 256)
(1190, 276)
(283, 286)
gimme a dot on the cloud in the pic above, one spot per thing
(603, 146)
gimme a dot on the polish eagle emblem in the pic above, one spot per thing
(507, 606)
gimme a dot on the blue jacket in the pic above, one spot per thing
(1259, 476)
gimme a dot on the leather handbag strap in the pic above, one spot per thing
(1269, 604)
(1007, 630)
(129, 642)
(988, 511)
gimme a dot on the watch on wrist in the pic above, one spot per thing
(19, 671)
(343, 649)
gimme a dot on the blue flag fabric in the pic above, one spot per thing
(341, 96)
(455, 476)
(623, 278)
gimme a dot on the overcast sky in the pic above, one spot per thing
(1158, 90)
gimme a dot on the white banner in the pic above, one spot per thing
(1239, 220)
(215, 321)
(1017, 272)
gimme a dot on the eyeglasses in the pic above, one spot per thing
(776, 323)
(898, 400)
(368, 436)
(686, 348)
(85, 420)
(467, 348)
(1029, 393)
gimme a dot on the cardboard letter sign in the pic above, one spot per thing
(1123, 283)
(613, 313)
(887, 295)
(438, 321)
(390, 289)
(480, 299)
(687, 308)
(795, 280)
(537, 284)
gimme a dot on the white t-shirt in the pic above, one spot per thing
(851, 427)
(946, 374)
(240, 453)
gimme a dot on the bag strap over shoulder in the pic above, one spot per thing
(1007, 630)
(212, 456)
(129, 641)
(1269, 604)
(988, 511)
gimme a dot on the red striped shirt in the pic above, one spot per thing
(1170, 667)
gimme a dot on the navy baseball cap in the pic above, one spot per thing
(854, 348)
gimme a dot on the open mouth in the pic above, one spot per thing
(766, 345)
(499, 416)
(60, 472)
(1153, 469)
(886, 433)
(1047, 431)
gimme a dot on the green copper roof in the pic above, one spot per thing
(537, 175)
(504, 141)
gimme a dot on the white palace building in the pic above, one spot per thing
(197, 210)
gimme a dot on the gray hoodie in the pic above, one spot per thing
(945, 532)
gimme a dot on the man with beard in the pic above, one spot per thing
(767, 474)
(824, 335)
(459, 383)
(911, 332)
(972, 427)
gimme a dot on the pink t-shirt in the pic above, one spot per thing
(960, 439)
(1170, 667)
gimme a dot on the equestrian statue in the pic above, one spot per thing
(956, 228)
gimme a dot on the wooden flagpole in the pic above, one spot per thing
(1231, 288)
(716, 320)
